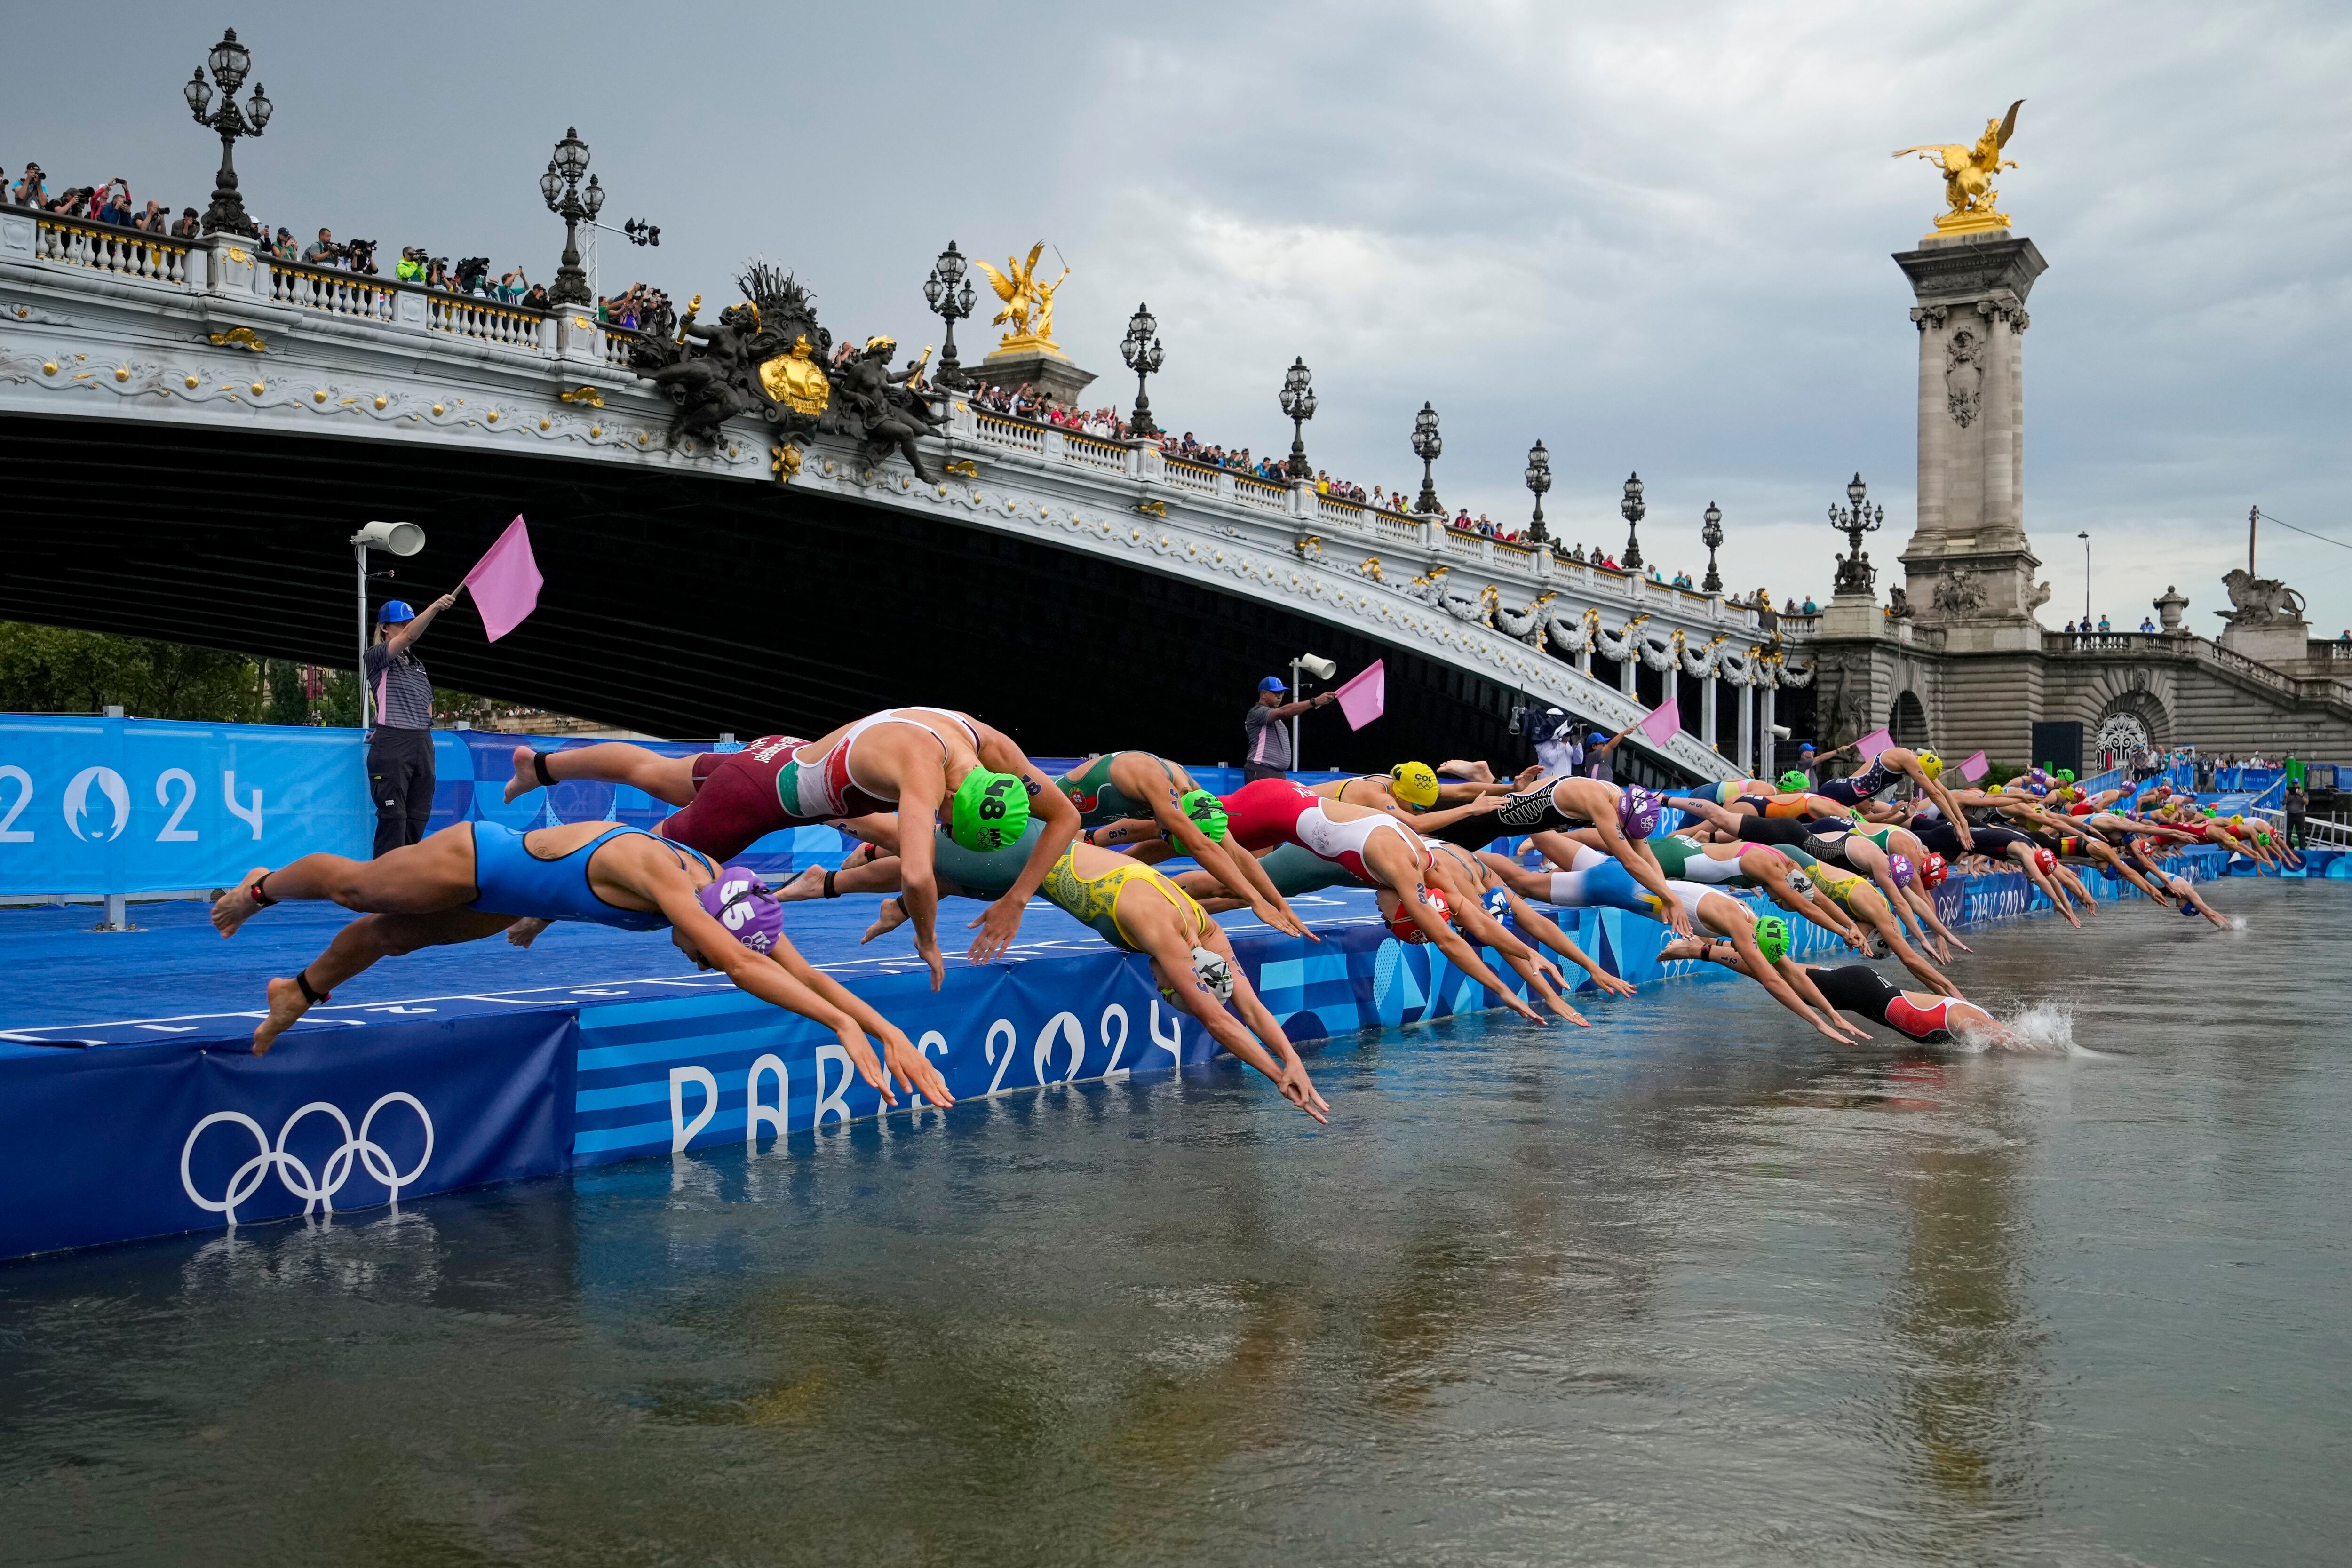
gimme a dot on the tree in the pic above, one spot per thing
(54, 669)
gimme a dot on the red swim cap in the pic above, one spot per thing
(1401, 924)
(2044, 862)
(1933, 870)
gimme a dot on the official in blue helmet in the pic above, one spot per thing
(400, 749)
(1267, 749)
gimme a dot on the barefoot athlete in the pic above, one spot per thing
(1924, 769)
(1454, 810)
(1861, 990)
(919, 760)
(1593, 880)
(1129, 906)
(1764, 866)
(1120, 786)
(1477, 869)
(1620, 819)
(475, 878)
(1844, 843)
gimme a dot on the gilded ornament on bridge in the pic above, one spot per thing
(962, 468)
(240, 338)
(1028, 313)
(796, 381)
(785, 462)
(587, 394)
(1968, 173)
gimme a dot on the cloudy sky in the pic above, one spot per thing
(1656, 237)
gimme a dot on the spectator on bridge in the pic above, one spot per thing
(323, 251)
(2103, 628)
(400, 751)
(2145, 624)
(189, 225)
(32, 191)
(1267, 754)
(283, 249)
(410, 268)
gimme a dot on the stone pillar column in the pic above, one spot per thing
(1747, 730)
(1629, 672)
(1767, 755)
(1706, 709)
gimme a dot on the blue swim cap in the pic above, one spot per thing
(1497, 902)
(395, 611)
(2187, 909)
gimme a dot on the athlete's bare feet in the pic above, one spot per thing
(287, 1005)
(889, 917)
(808, 884)
(526, 775)
(236, 906)
(525, 932)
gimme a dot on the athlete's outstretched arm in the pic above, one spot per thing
(1546, 930)
(1265, 1026)
(1484, 928)
(1874, 910)
(1171, 966)
(1000, 923)
(1257, 892)
(1751, 958)
(1635, 856)
(1398, 872)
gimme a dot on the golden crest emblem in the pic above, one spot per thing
(796, 380)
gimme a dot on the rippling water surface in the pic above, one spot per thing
(1685, 1288)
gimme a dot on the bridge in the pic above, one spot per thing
(194, 429)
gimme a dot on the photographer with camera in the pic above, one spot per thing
(323, 251)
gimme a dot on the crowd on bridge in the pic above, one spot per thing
(111, 203)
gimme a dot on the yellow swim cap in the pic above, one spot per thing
(1415, 783)
(1931, 765)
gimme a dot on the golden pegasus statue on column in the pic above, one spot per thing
(1028, 302)
(1968, 173)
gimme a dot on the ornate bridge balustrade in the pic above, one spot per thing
(97, 322)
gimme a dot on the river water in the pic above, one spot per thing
(1687, 1287)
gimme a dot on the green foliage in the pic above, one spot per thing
(2001, 774)
(51, 669)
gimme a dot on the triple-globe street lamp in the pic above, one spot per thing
(1299, 407)
(1854, 574)
(1539, 480)
(561, 187)
(1142, 351)
(948, 290)
(229, 61)
(1426, 446)
(1710, 533)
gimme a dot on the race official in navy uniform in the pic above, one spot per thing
(400, 749)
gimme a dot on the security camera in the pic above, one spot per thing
(1320, 669)
(393, 538)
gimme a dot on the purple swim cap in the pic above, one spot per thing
(1637, 812)
(746, 906)
(1903, 870)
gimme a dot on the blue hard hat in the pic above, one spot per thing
(395, 611)
(1272, 683)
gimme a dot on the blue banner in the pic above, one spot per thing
(129, 1140)
(135, 806)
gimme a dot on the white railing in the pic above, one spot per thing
(464, 316)
(1094, 452)
(618, 344)
(1017, 434)
(1469, 546)
(1347, 513)
(1190, 476)
(321, 288)
(1395, 526)
(1257, 492)
(103, 247)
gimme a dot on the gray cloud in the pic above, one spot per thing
(1655, 237)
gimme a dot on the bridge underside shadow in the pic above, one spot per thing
(679, 605)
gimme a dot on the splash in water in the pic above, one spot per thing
(2042, 1028)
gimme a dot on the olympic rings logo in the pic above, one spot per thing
(317, 1191)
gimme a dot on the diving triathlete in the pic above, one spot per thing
(1861, 990)
(1924, 769)
(1764, 866)
(1457, 811)
(2189, 900)
(1117, 786)
(913, 760)
(1622, 819)
(475, 879)
(1129, 906)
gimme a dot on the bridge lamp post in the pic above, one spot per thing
(229, 61)
(1321, 669)
(561, 188)
(392, 539)
(1426, 446)
(2086, 538)
(951, 304)
(1540, 481)
(1142, 351)
(1632, 509)
(1299, 407)
(1854, 520)
(1710, 534)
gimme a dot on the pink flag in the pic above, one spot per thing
(1974, 768)
(1665, 723)
(1870, 745)
(1366, 696)
(506, 582)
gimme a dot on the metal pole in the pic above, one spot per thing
(1294, 717)
(2252, 512)
(361, 551)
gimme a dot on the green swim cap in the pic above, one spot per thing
(989, 811)
(1793, 780)
(1206, 810)
(2066, 775)
(1773, 938)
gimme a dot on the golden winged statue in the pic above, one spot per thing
(1028, 302)
(1968, 173)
